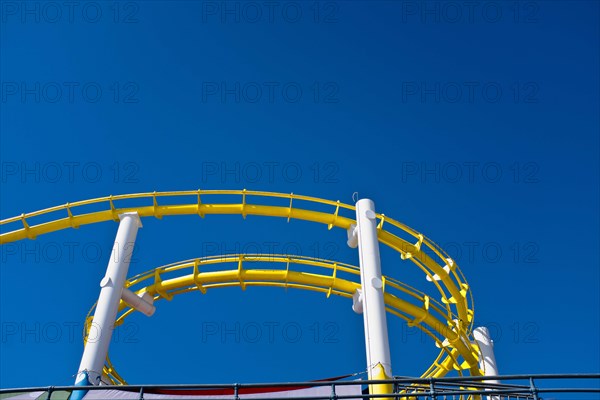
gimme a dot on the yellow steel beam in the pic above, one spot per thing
(456, 298)
(186, 276)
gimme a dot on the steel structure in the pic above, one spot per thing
(446, 316)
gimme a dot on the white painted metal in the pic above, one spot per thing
(486, 347)
(105, 314)
(373, 305)
(357, 302)
(447, 268)
(352, 236)
(143, 304)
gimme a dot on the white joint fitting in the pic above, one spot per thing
(352, 236)
(143, 303)
(357, 302)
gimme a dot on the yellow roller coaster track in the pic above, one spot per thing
(448, 322)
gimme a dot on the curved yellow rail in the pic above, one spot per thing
(338, 278)
(455, 295)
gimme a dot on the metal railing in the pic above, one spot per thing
(507, 387)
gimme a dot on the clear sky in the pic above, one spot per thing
(476, 124)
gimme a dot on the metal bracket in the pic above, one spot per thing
(352, 236)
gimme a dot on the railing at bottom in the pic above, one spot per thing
(510, 387)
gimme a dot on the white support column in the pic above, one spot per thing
(486, 347)
(373, 306)
(96, 349)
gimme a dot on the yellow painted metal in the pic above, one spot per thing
(456, 299)
(381, 389)
(290, 272)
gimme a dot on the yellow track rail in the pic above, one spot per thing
(337, 278)
(456, 299)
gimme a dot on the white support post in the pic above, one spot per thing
(486, 348)
(379, 364)
(96, 349)
(488, 360)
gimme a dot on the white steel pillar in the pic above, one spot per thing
(379, 365)
(486, 348)
(96, 349)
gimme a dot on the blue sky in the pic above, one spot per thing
(476, 125)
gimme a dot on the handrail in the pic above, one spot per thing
(476, 387)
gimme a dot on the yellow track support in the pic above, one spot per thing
(456, 298)
(288, 271)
